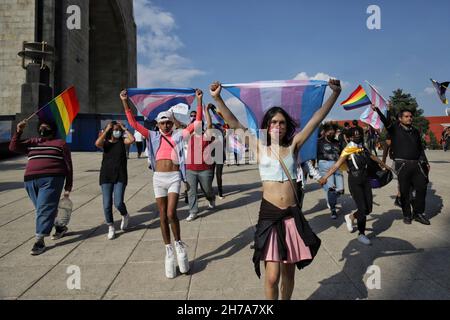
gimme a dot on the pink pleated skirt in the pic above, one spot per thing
(296, 249)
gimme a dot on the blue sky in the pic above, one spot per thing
(192, 43)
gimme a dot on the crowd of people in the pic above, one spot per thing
(188, 155)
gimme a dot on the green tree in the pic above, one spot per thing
(434, 143)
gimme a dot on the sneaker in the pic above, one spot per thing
(59, 232)
(171, 269)
(111, 233)
(212, 204)
(38, 248)
(422, 219)
(333, 215)
(183, 261)
(124, 224)
(407, 220)
(364, 240)
(221, 197)
(349, 223)
(191, 217)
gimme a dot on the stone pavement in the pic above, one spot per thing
(414, 261)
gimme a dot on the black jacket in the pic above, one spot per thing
(271, 216)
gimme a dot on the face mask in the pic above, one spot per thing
(45, 133)
(117, 134)
(193, 119)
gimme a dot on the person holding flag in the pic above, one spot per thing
(283, 237)
(167, 159)
(49, 168)
(411, 164)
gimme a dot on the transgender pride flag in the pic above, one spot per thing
(371, 117)
(150, 102)
(300, 98)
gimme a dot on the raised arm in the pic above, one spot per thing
(197, 125)
(129, 140)
(301, 137)
(386, 121)
(130, 117)
(101, 140)
(209, 123)
(16, 145)
(229, 117)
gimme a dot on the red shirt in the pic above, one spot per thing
(196, 160)
(46, 158)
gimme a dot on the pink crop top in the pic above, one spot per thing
(165, 150)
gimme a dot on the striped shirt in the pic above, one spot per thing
(46, 158)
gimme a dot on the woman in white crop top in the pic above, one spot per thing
(278, 194)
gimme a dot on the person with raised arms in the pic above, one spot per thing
(166, 155)
(283, 238)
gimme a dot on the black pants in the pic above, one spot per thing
(411, 176)
(218, 169)
(361, 192)
(140, 147)
(300, 193)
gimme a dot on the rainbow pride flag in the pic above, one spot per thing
(356, 100)
(62, 111)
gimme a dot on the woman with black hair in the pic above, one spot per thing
(357, 158)
(283, 239)
(49, 165)
(113, 173)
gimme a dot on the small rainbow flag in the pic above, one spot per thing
(62, 111)
(356, 100)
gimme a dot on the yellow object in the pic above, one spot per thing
(349, 151)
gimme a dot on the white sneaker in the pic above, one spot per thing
(191, 217)
(124, 224)
(111, 233)
(364, 240)
(212, 204)
(171, 269)
(183, 261)
(221, 197)
(349, 223)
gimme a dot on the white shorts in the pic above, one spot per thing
(165, 183)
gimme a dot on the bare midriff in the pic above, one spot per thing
(279, 194)
(166, 166)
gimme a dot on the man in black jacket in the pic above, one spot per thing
(411, 164)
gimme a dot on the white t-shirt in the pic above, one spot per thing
(138, 136)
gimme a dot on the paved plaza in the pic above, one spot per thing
(413, 261)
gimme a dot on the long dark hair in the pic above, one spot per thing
(290, 126)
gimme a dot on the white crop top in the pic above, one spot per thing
(270, 168)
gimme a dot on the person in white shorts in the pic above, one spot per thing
(167, 160)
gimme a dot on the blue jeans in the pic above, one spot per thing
(118, 189)
(45, 194)
(205, 178)
(335, 183)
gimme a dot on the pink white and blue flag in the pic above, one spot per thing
(150, 102)
(371, 117)
(235, 145)
(300, 98)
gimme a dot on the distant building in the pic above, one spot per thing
(98, 57)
